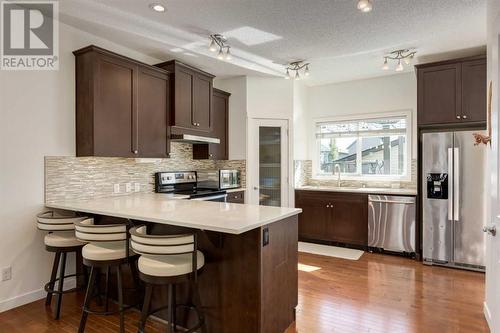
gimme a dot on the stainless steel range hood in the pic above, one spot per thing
(193, 138)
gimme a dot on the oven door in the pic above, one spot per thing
(216, 197)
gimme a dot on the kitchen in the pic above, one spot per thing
(144, 123)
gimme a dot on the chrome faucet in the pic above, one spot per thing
(336, 170)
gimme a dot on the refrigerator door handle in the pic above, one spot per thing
(456, 184)
(451, 184)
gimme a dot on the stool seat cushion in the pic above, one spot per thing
(62, 239)
(103, 251)
(169, 265)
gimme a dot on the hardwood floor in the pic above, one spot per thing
(382, 293)
(377, 293)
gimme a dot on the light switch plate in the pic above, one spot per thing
(116, 188)
(128, 187)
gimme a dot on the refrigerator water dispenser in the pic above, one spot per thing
(437, 186)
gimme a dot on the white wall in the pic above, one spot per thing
(269, 98)
(300, 121)
(237, 114)
(492, 297)
(377, 95)
(37, 118)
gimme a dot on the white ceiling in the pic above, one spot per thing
(340, 42)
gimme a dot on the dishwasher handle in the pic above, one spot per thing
(402, 202)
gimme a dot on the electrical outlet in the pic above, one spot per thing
(137, 187)
(128, 187)
(6, 273)
(116, 188)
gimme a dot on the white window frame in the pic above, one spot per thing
(406, 176)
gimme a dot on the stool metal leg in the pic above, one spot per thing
(174, 307)
(106, 289)
(120, 299)
(88, 297)
(146, 307)
(170, 328)
(61, 284)
(53, 275)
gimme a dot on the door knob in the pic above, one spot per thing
(492, 230)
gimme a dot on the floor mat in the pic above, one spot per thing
(330, 251)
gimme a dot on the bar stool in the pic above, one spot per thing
(107, 248)
(168, 260)
(61, 240)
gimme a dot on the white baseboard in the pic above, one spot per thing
(487, 315)
(31, 296)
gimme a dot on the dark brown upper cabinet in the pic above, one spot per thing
(122, 106)
(452, 93)
(191, 102)
(474, 90)
(220, 123)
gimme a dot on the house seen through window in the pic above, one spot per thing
(369, 147)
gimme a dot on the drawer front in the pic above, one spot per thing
(236, 197)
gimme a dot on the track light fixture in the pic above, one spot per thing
(297, 66)
(219, 43)
(403, 55)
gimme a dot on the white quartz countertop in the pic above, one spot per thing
(367, 190)
(160, 208)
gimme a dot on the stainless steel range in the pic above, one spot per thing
(185, 183)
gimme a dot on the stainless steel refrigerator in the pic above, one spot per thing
(453, 200)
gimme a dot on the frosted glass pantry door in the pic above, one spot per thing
(268, 162)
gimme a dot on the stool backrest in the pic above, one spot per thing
(86, 230)
(145, 244)
(54, 221)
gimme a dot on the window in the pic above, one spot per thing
(364, 148)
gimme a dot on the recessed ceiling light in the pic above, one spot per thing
(157, 7)
(365, 6)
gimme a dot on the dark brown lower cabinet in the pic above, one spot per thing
(236, 197)
(333, 216)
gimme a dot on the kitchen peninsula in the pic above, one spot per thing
(250, 280)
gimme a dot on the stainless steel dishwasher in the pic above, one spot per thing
(391, 223)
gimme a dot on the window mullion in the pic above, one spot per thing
(359, 166)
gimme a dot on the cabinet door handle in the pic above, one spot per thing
(458, 117)
(136, 152)
(210, 155)
(464, 117)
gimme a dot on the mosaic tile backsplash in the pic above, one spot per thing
(74, 178)
(303, 176)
